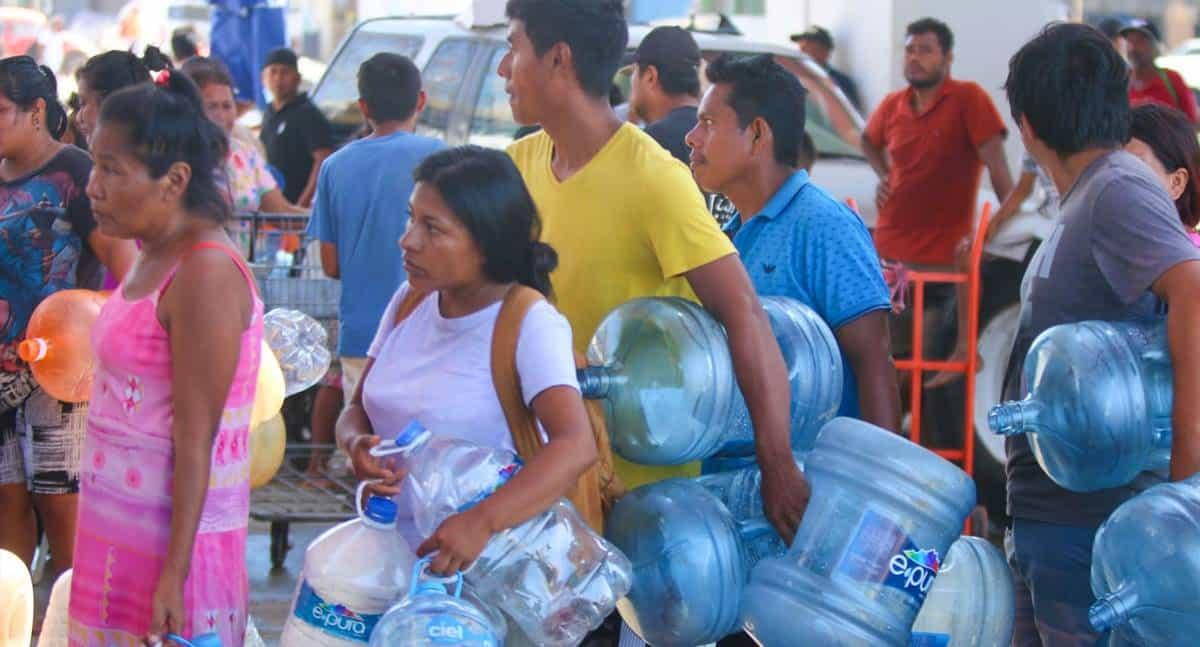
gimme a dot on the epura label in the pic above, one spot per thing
(334, 619)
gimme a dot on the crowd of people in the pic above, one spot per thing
(144, 490)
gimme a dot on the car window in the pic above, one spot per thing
(442, 80)
(493, 125)
(338, 94)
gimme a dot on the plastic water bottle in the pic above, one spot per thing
(300, 344)
(1146, 567)
(1098, 411)
(58, 343)
(552, 575)
(432, 615)
(883, 514)
(693, 543)
(971, 603)
(663, 367)
(352, 574)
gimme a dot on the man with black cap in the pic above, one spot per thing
(1148, 82)
(818, 44)
(665, 87)
(296, 134)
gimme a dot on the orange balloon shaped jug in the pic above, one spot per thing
(58, 343)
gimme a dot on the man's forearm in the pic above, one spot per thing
(875, 158)
(879, 395)
(1183, 332)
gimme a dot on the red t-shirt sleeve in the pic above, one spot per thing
(983, 120)
(877, 126)
(1187, 100)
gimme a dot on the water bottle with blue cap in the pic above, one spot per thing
(663, 368)
(353, 573)
(883, 513)
(436, 612)
(693, 543)
(971, 603)
(552, 575)
(1146, 568)
(1098, 413)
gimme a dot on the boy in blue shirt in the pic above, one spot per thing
(795, 239)
(361, 206)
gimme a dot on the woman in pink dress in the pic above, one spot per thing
(165, 480)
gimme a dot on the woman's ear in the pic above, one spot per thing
(1177, 183)
(174, 183)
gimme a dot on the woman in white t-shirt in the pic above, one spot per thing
(472, 234)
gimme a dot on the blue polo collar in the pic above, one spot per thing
(778, 202)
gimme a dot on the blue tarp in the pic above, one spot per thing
(243, 33)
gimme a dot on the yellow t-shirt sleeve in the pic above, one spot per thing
(681, 231)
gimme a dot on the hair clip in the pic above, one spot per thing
(162, 78)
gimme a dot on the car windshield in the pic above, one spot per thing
(337, 95)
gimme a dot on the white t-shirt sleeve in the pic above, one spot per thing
(545, 358)
(388, 322)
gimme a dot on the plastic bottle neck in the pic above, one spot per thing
(1114, 609)
(594, 381)
(1017, 417)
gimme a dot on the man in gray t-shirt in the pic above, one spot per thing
(1118, 253)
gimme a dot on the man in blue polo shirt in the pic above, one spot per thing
(795, 239)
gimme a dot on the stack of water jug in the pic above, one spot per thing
(705, 560)
(551, 578)
(1097, 416)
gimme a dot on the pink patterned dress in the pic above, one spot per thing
(125, 485)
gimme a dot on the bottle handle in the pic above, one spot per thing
(421, 572)
(358, 495)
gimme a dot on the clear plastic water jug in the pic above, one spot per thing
(971, 603)
(436, 612)
(1146, 568)
(693, 543)
(353, 573)
(552, 575)
(663, 368)
(1098, 411)
(883, 514)
(300, 344)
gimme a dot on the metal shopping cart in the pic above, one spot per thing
(287, 267)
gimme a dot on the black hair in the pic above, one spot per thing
(23, 82)
(676, 78)
(485, 191)
(1172, 138)
(595, 30)
(760, 87)
(182, 45)
(937, 28)
(390, 85)
(808, 152)
(165, 124)
(206, 71)
(1073, 88)
(108, 72)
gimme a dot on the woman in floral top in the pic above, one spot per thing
(250, 185)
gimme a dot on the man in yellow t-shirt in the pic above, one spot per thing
(628, 221)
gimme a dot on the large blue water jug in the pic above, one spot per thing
(663, 368)
(1146, 567)
(883, 514)
(971, 603)
(692, 543)
(552, 575)
(435, 612)
(1098, 411)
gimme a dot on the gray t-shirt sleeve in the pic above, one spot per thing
(1137, 236)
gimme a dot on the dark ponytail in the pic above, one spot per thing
(110, 71)
(23, 82)
(164, 123)
(485, 191)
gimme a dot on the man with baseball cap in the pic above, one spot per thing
(1148, 82)
(665, 87)
(295, 132)
(817, 42)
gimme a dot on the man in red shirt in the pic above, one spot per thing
(929, 143)
(1151, 83)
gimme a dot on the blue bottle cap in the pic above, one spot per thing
(410, 434)
(202, 640)
(380, 510)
